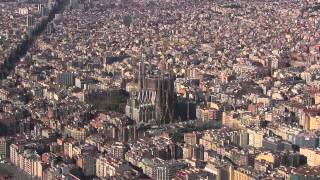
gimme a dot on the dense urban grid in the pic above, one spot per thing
(160, 89)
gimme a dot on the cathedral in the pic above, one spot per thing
(154, 101)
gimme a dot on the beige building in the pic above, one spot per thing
(314, 123)
(14, 153)
(268, 156)
(192, 138)
(240, 174)
(107, 166)
(187, 152)
(230, 119)
(313, 156)
(209, 114)
(68, 149)
(317, 98)
(255, 138)
(28, 160)
(76, 133)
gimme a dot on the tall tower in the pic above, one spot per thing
(30, 20)
(166, 98)
(141, 75)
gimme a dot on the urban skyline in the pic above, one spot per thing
(160, 89)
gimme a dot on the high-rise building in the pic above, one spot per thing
(87, 163)
(162, 169)
(168, 170)
(118, 150)
(66, 78)
(14, 153)
(108, 166)
(255, 138)
(3, 147)
(198, 152)
(27, 160)
(192, 138)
